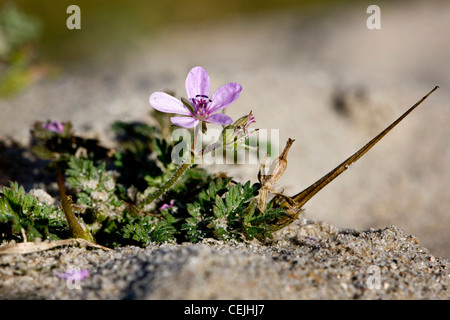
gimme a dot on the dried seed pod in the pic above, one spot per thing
(268, 181)
(293, 205)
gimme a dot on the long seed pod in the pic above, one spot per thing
(295, 203)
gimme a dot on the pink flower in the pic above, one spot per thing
(53, 126)
(245, 122)
(199, 106)
(167, 206)
(74, 275)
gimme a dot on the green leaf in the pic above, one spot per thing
(194, 209)
(219, 208)
(212, 190)
(20, 210)
(232, 199)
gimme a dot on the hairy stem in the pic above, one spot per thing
(178, 174)
(194, 141)
(169, 184)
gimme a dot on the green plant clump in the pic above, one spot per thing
(22, 212)
(136, 194)
(108, 189)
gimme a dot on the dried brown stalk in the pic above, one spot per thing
(30, 247)
(294, 204)
(268, 181)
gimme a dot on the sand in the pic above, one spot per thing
(308, 260)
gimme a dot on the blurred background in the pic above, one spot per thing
(311, 69)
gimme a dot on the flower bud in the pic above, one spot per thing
(233, 136)
(53, 126)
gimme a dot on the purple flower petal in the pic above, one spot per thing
(73, 274)
(219, 118)
(224, 96)
(185, 122)
(198, 86)
(54, 126)
(197, 83)
(167, 206)
(166, 103)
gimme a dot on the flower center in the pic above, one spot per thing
(200, 103)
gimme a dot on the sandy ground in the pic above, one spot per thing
(321, 78)
(307, 260)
